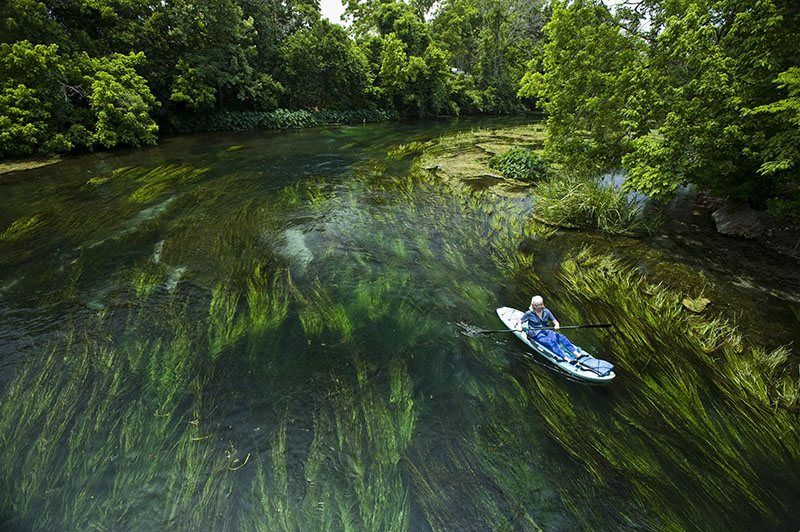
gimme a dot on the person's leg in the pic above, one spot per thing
(548, 339)
(566, 343)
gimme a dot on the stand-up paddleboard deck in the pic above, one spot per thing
(587, 368)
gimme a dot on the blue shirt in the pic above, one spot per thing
(534, 322)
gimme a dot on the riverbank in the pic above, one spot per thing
(739, 221)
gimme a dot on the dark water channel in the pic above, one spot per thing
(256, 331)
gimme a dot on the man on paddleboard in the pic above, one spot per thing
(534, 322)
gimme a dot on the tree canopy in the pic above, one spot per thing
(689, 91)
(100, 73)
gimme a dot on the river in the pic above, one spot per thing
(259, 331)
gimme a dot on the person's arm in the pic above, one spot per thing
(556, 325)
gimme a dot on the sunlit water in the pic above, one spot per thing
(258, 331)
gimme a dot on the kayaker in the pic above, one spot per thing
(534, 322)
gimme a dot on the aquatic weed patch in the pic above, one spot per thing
(21, 228)
(671, 359)
(157, 180)
(520, 163)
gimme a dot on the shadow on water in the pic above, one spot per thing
(253, 331)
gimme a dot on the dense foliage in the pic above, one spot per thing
(696, 91)
(101, 73)
(520, 163)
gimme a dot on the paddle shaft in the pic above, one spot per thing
(593, 326)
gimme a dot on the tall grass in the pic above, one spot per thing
(587, 203)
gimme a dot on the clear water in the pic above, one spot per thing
(257, 331)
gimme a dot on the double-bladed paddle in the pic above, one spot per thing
(471, 330)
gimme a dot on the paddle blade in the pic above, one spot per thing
(469, 330)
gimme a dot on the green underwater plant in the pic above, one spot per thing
(157, 180)
(675, 362)
(21, 228)
(403, 150)
(358, 445)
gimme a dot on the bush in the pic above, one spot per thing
(785, 208)
(520, 163)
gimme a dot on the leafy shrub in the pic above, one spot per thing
(520, 163)
(785, 208)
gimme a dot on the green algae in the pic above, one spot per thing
(22, 228)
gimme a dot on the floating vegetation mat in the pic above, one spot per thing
(210, 347)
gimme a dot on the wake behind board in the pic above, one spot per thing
(587, 368)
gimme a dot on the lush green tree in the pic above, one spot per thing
(28, 20)
(490, 41)
(782, 151)
(401, 19)
(415, 85)
(33, 93)
(120, 102)
(370, 16)
(324, 68)
(588, 65)
(456, 27)
(217, 53)
(51, 102)
(701, 93)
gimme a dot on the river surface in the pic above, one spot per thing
(259, 331)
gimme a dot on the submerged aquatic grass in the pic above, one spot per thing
(21, 228)
(222, 381)
(157, 180)
(671, 358)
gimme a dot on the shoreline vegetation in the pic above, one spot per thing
(236, 121)
(510, 159)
